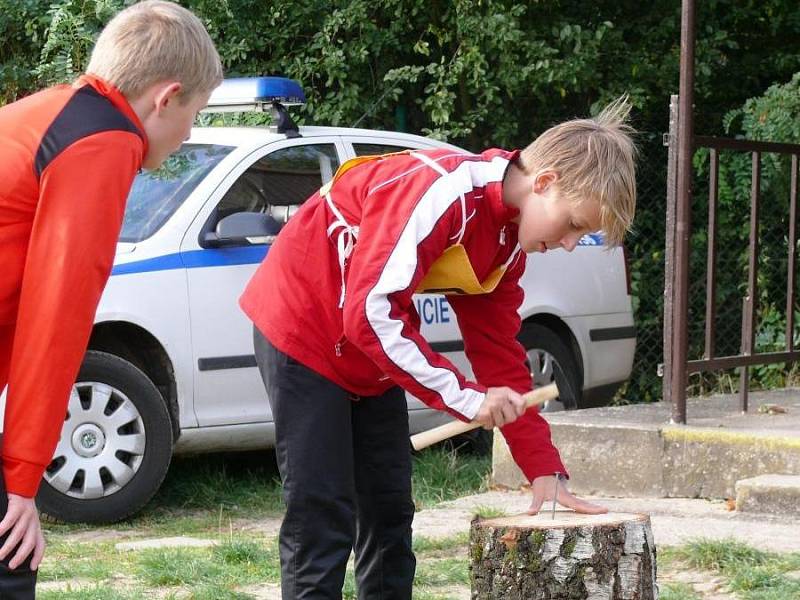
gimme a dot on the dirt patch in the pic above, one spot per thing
(263, 591)
(705, 584)
(64, 586)
(454, 592)
(100, 535)
(269, 526)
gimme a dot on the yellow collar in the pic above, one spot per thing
(452, 273)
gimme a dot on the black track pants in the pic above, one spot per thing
(345, 465)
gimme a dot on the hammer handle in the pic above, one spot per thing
(437, 434)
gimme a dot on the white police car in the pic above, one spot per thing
(170, 366)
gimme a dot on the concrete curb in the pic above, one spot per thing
(612, 455)
(777, 495)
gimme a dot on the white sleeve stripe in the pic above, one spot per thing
(399, 271)
(395, 178)
(412, 169)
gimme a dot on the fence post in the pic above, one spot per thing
(671, 142)
(683, 214)
(751, 300)
(791, 260)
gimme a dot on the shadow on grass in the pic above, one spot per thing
(206, 492)
(241, 481)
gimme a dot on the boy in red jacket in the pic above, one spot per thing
(68, 156)
(338, 342)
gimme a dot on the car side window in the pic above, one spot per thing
(281, 181)
(377, 149)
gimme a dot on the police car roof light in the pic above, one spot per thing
(255, 94)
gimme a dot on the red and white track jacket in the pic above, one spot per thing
(335, 290)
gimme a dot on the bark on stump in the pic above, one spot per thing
(574, 557)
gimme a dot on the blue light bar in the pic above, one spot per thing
(592, 239)
(255, 94)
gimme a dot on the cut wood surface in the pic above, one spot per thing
(571, 557)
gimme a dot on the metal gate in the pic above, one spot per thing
(677, 365)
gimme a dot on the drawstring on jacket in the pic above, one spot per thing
(348, 234)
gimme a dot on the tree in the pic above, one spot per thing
(478, 73)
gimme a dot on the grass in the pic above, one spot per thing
(246, 481)
(677, 591)
(751, 574)
(205, 497)
(210, 496)
(78, 561)
(178, 566)
(100, 572)
(725, 556)
(430, 545)
(215, 592)
(217, 572)
(205, 493)
(90, 592)
(489, 512)
(443, 572)
(441, 475)
(234, 562)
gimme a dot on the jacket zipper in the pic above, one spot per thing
(337, 347)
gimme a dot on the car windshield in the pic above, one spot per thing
(156, 195)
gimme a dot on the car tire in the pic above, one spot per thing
(551, 359)
(115, 446)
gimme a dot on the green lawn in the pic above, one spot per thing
(209, 497)
(212, 496)
(750, 574)
(98, 571)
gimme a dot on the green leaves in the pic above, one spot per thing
(69, 38)
(493, 72)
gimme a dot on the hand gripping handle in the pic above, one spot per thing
(437, 434)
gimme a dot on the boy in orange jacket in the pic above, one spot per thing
(68, 157)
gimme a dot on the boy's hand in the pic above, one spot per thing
(543, 489)
(22, 525)
(501, 406)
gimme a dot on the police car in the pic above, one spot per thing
(170, 366)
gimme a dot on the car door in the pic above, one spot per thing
(274, 180)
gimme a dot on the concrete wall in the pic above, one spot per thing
(668, 461)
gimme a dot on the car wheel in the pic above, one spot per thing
(551, 359)
(115, 446)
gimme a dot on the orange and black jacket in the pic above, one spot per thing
(68, 156)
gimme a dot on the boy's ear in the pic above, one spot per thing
(166, 93)
(544, 180)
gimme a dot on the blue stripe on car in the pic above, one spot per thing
(194, 259)
(224, 257)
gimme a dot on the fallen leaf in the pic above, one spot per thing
(510, 539)
(772, 409)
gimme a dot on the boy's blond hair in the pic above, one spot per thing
(593, 158)
(156, 41)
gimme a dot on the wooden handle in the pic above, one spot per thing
(437, 434)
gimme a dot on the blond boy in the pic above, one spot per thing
(337, 337)
(68, 156)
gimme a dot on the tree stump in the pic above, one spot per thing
(574, 557)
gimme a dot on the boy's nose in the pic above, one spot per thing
(569, 243)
